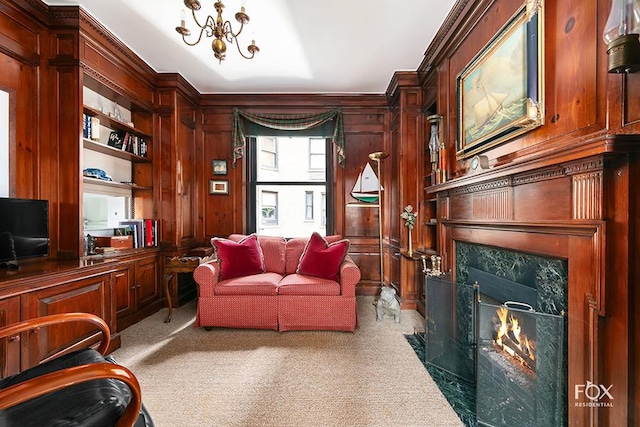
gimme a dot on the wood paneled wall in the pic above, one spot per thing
(562, 189)
(365, 121)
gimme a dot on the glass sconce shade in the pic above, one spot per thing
(621, 35)
(434, 143)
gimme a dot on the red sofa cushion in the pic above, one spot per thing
(273, 251)
(242, 258)
(295, 249)
(299, 284)
(255, 284)
(321, 259)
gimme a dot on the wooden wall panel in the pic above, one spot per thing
(529, 200)
(19, 38)
(20, 81)
(574, 80)
(364, 133)
(560, 178)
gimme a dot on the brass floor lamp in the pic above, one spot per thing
(378, 156)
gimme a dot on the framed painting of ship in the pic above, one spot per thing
(500, 92)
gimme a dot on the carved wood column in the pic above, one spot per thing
(407, 164)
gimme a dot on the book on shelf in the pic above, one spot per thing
(144, 232)
(142, 149)
(134, 227)
(116, 139)
(90, 127)
(127, 141)
(150, 227)
(86, 125)
(94, 129)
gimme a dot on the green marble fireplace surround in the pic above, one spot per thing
(542, 392)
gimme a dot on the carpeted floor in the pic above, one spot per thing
(231, 377)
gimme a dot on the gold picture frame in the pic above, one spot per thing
(218, 186)
(500, 93)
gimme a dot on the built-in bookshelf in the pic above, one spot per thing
(117, 163)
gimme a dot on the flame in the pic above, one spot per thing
(502, 315)
(519, 340)
(516, 329)
(529, 350)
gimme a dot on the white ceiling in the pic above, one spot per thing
(320, 46)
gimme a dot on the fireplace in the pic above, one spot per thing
(502, 326)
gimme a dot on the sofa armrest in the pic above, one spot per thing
(206, 276)
(349, 277)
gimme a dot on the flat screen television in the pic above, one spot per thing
(24, 229)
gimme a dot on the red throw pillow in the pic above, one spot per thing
(242, 258)
(321, 259)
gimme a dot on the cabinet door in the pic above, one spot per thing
(124, 291)
(88, 295)
(9, 346)
(146, 281)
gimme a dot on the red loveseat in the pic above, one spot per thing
(281, 296)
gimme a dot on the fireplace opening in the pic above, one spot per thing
(501, 325)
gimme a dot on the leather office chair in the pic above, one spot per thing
(80, 388)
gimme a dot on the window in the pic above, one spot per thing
(308, 205)
(269, 208)
(317, 153)
(277, 193)
(269, 153)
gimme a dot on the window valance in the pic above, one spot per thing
(327, 124)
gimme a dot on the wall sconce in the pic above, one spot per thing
(437, 149)
(621, 35)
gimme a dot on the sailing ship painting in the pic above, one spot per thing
(494, 90)
(487, 107)
(366, 186)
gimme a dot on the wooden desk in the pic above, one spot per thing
(173, 266)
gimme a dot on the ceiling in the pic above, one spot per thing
(322, 46)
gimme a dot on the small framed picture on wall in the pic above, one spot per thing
(218, 187)
(219, 167)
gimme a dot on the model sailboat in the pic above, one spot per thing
(366, 186)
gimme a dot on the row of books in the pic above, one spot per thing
(119, 139)
(144, 232)
(129, 142)
(90, 127)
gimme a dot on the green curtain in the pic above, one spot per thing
(288, 122)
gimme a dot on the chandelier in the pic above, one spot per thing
(218, 28)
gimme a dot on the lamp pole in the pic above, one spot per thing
(378, 156)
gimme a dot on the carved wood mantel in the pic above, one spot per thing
(561, 211)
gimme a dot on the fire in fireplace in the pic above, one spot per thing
(511, 340)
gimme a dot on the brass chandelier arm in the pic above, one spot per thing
(218, 28)
(206, 29)
(184, 38)
(252, 48)
(228, 31)
(207, 24)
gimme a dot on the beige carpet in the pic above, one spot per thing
(236, 377)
